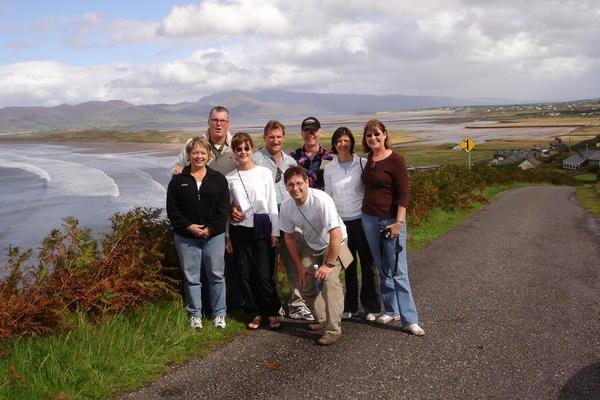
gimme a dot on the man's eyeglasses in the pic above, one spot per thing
(376, 134)
(244, 148)
(219, 121)
(278, 175)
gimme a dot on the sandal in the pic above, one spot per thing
(255, 323)
(274, 323)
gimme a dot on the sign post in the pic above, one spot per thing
(467, 145)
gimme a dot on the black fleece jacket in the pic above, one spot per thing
(209, 207)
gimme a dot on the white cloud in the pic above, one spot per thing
(557, 68)
(89, 22)
(512, 48)
(463, 48)
(51, 83)
(225, 18)
(126, 31)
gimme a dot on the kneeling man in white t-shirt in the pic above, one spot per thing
(313, 233)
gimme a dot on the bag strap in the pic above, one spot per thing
(244, 186)
(313, 228)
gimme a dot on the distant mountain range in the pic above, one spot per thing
(244, 105)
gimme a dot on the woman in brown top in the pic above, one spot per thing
(384, 221)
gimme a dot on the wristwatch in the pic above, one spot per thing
(330, 264)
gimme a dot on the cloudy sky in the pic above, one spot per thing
(154, 51)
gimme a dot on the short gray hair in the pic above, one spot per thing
(218, 109)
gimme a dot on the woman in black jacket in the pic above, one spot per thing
(197, 206)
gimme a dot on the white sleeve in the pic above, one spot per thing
(182, 159)
(285, 220)
(327, 179)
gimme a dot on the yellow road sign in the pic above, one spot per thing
(467, 144)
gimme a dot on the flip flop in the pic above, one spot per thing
(255, 323)
(274, 323)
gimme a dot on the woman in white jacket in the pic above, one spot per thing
(252, 241)
(343, 184)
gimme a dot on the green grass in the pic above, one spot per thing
(294, 140)
(588, 192)
(586, 177)
(97, 361)
(439, 154)
(589, 196)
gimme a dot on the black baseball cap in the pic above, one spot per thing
(310, 124)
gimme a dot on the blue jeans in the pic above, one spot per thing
(194, 255)
(393, 269)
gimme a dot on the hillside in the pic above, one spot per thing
(247, 106)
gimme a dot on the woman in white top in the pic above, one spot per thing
(343, 184)
(253, 240)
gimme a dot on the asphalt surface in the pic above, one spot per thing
(510, 301)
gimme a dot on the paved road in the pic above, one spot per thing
(510, 300)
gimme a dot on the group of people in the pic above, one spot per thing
(234, 208)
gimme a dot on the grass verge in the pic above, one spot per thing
(97, 361)
(588, 193)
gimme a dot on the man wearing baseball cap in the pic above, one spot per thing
(312, 156)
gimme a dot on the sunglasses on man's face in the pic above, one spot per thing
(240, 149)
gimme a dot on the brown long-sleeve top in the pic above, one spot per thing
(386, 186)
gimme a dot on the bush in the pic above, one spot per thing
(136, 265)
(25, 310)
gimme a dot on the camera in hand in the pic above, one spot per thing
(385, 233)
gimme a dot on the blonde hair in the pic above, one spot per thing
(198, 141)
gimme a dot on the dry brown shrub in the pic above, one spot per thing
(136, 265)
(25, 308)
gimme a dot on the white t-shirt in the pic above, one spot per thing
(320, 211)
(259, 184)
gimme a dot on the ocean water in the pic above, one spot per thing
(42, 184)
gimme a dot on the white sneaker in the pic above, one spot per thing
(346, 315)
(371, 317)
(196, 322)
(385, 319)
(219, 321)
(415, 329)
(302, 313)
